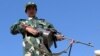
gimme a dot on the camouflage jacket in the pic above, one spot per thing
(32, 44)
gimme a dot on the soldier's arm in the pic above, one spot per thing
(16, 28)
(21, 27)
(51, 28)
(59, 36)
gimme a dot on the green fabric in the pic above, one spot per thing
(16, 28)
(32, 44)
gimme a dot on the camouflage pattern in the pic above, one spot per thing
(33, 46)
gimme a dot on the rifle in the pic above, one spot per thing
(69, 48)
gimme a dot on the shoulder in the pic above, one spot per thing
(22, 20)
(43, 21)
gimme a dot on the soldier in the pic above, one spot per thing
(38, 35)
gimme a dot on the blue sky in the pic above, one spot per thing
(77, 19)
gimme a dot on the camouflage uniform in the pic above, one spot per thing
(33, 45)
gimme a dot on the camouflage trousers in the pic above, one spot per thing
(35, 47)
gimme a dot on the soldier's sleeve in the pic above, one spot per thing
(53, 37)
(47, 25)
(16, 28)
(51, 27)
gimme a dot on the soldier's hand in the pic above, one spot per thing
(31, 30)
(59, 37)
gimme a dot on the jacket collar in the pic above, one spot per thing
(32, 18)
